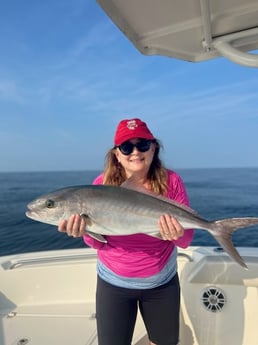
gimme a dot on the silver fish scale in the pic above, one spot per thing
(129, 211)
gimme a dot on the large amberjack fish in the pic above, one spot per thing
(114, 210)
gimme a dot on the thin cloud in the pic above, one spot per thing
(10, 91)
(86, 46)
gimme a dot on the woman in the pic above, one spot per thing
(137, 271)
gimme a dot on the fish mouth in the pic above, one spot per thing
(29, 209)
(29, 213)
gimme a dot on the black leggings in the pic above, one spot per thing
(116, 310)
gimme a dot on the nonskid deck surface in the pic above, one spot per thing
(49, 324)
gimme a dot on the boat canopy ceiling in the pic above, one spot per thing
(191, 30)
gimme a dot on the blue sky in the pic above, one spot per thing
(68, 75)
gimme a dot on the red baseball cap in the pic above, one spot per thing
(130, 129)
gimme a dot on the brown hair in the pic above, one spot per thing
(114, 173)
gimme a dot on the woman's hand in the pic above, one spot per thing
(75, 226)
(169, 227)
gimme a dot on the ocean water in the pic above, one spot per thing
(213, 193)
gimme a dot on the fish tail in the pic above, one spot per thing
(222, 230)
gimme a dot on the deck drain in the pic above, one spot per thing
(213, 299)
(23, 341)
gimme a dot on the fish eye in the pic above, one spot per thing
(50, 203)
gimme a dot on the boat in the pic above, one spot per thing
(190, 30)
(49, 297)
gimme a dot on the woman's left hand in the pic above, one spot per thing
(169, 227)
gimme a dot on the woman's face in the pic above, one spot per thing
(136, 162)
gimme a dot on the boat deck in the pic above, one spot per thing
(64, 324)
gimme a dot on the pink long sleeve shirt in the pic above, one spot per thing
(141, 255)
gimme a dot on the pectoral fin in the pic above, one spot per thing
(97, 237)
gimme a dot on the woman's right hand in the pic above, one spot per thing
(75, 226)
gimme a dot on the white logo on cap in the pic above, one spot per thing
(132, 124)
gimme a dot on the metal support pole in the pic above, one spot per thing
(206, 21)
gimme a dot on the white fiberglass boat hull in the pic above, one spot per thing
(49, 298)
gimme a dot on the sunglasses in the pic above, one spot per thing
(142, 145)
